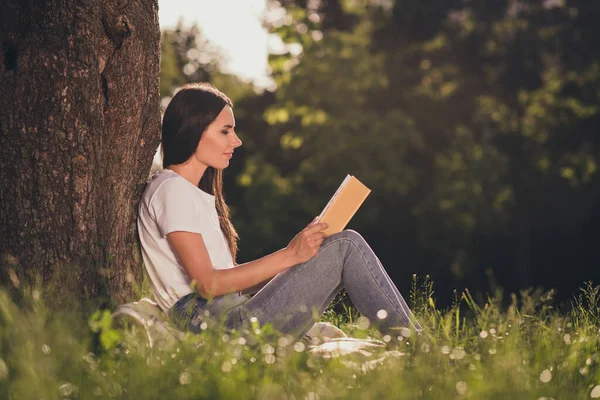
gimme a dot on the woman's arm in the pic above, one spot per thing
(210, 282)
(255, 288)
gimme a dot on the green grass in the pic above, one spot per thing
(528, 350)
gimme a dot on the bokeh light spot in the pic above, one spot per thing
(546, 376)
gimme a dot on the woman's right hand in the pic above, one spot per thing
(306, 244)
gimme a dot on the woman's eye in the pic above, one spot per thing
(225, 132)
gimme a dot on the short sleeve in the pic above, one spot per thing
(173, 208)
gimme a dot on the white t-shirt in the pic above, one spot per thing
(171, 203)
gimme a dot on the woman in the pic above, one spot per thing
(189, 244)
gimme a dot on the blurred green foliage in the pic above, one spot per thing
(187, 56)
(473, 349)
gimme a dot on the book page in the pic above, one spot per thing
(344, 205)
(337, 192)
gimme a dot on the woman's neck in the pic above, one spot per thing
(190, 172)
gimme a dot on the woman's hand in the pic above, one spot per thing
(306, 244)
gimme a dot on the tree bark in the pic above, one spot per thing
(79, 125)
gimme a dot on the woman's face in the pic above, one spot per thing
(218, 142)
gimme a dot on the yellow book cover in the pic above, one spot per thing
(343, 204)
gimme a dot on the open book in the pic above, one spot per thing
(343, 205)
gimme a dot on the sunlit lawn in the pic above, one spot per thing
(528, 350)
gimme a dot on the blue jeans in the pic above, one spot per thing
(295, 298)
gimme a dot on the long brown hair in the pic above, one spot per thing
(193, 108)
(212, 182)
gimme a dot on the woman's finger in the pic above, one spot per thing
(312, 222)
(316, 227)
(316, 243)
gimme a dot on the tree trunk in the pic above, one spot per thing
(79, 125)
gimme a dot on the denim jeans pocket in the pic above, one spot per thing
(182, 312)
(216, 312)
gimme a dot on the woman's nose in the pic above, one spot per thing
(237, 142)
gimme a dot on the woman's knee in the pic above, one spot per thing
(345, 241)
(347, 234)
